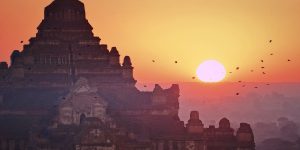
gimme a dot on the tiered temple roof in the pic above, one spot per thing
(65, 49)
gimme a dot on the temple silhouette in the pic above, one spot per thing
(66, 91)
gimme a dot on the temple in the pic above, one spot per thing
(66, 91)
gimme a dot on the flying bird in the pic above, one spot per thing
(176, 62)
(153, 60)
(237, 68)
(255, 87)
(263, 73)
(237, 94)
(193, 78)
(21, 41)
(271, 54)
(261, 60)
(270, 41)
(262, 67)
(289, 60)
(252, 70)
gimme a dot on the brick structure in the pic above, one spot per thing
(67, 91)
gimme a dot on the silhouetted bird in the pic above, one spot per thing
(145, 85)
(255, 87)
(262, 67)
(176, 62)
(21, 41)
(271, 54)
(193, 78)
(268, 84)
(263, 73)
(230, 72)
(237, 68)
(270, 41)
(289, 60)
(261, 60)
(244, 86)
(153, 60)
(237, 94)
(240, 81)
(252, 70)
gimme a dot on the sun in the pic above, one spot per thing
(211, 71)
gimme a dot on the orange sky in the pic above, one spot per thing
(234, 32)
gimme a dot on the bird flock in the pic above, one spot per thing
(263, 72)
(238, 68)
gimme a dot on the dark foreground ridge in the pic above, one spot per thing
(65, 91)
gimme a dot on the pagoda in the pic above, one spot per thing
(66, 91)
(65, 49)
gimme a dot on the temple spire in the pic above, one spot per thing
(65, 14)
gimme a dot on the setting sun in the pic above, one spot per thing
(211, 71)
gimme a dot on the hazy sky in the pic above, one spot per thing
(234, 32)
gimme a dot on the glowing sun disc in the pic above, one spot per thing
(211, 71)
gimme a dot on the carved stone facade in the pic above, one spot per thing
(80, 103)
(66, 91)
